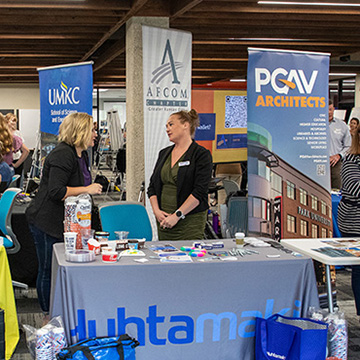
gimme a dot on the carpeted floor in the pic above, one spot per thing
(29, 313)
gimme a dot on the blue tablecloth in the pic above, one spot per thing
(198, 310)
(335, 200)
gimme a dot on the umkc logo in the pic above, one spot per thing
(66, 95)
(181, 329)
(168, 68)
(282, 81)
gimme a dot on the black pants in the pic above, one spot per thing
(355, 278)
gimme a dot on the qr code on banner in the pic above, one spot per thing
(320, 170)
(235, 112)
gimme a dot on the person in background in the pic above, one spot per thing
(178, 189)
(6, 172)
(20, 155)
(65, 173)
(340, 141)
(353, 124)
(349, 207)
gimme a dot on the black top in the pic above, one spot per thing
(61, 169)
(193, 176)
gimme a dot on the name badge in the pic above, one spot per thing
(184, 163)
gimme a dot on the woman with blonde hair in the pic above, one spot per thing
(178, 189)
(65, 173)
(349, 207)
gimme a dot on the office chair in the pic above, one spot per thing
(10, 240)
(14, 181)
(125, 216)
(237, 216)
(230, 186)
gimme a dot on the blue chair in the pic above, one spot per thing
(9, 239)
(125, 216)
(6, 203)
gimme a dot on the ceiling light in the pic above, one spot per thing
(237, 80)
(303, 3)
(342, 74)
(266, 39)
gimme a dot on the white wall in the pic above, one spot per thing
(19, 96)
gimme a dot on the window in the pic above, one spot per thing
(304, 228)
(314, 202)
(257, 207)
(276, 185)
(314, 231)
(290, 190)
(303, 197)
(291, 223)
(323, 233)
(330, 234)
(323, 207)
(263, 170)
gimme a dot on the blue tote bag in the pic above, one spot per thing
(285, 338)
(111, 348)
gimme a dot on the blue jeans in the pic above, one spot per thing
(44, 244)
(355, 278)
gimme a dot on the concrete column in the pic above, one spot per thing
(135, 167)
(357, 91)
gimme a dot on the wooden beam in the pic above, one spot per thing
(137, 5)
(180, 7)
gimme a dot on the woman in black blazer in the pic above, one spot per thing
(178, 189)
(65, 173)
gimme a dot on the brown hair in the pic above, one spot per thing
(191, 117)
(355, 142)
(76, 130)
(356, 119)
(5, 136)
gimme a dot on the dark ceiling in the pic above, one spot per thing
(39, 33)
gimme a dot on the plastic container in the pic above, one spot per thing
(239, 239)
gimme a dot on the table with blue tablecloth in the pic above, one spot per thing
(192, 310)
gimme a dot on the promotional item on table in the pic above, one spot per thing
(77, 216)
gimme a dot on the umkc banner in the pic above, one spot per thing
(287, 124)
(166, 85)
(64, 89)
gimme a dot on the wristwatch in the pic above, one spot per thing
(179, 214)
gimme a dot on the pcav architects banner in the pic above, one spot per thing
(288, 157)
(166, 85)
(64, 89)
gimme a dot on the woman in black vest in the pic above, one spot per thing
(178, 189)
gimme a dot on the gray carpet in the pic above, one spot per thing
(29, 313)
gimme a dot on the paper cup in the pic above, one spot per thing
(86, 235)
(94, 245)
(112, 244)
(106, 249)
(70, 240)
(109, 257)
(121, 235)
(133, 244)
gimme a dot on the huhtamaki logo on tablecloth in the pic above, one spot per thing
(282, 81)
(179, 329)
(276, 356)
(64, 96)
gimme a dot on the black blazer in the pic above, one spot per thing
(193, 177)
(61, 169)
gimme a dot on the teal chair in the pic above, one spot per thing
(9, 239)
(125, 216)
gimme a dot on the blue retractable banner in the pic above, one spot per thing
(287, 130)
(63, 90)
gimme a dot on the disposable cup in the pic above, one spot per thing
(112, 244)
(121, 235)
(70, 240)
(109, 257)
(94, 245)
(133, 244)
(86, 235)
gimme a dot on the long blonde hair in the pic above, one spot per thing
(76, 130)
(5, 136)
(355, 142)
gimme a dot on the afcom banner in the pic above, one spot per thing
(167, 86)
(288, 155)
